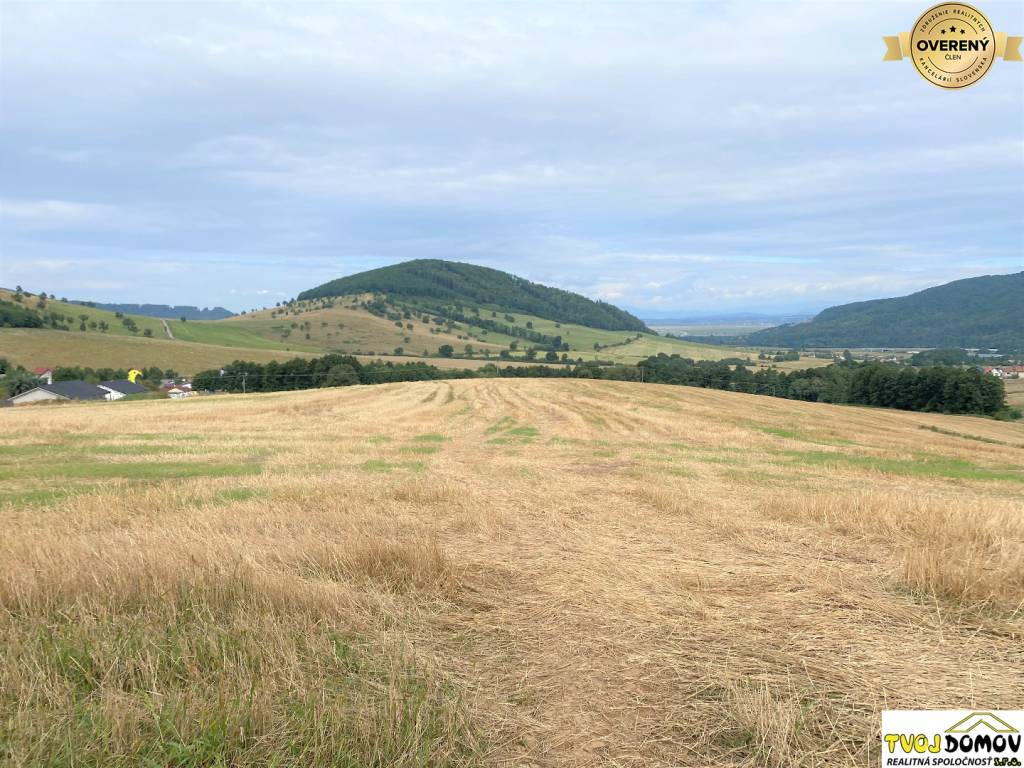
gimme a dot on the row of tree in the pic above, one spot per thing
(328, 371)
(938, 389)
(943, 389)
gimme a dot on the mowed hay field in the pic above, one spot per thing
(1015, 392)
(499, 573)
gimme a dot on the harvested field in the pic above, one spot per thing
(499, 573)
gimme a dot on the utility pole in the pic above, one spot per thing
(243, 382)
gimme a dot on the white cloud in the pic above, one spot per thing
(653, 154)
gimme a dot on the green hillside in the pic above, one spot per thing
(977, 312)
(432, 283)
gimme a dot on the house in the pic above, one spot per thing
(115, 390)
(1006, 371)
(60, 390)
(176, 393)
(45, 373)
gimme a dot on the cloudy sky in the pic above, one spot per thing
(673, 158)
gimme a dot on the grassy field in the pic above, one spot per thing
(75, 311)
(1015, 392)
(496, 573)
(340, 327)
(36, 348)
(33, 347)
(257, 336)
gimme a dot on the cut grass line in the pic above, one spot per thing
(925, 466)
(379, 465)
(421, 449)
(130, 471)
(979, 439)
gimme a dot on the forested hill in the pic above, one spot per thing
(163, 310)
(454, 282)
(977, 312)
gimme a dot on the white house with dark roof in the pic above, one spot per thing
(115, 390)
(60, 390)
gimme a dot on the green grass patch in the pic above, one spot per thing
(162, 470)
(423, 449)
(198, 691)
(677, 471)
(41, 495)
(230, 495)
(977, 438)
(505, 422)
(566, 441)
(921, 466)
(512, 434)
(430, 437)
(379, 465)
(795, 434)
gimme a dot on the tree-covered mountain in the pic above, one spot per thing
(163, 310)
(435, 281)
(976, 312)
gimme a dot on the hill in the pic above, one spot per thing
(976, 312)
(166, 311)
(53, 335)
(499, 572)
(432, 282)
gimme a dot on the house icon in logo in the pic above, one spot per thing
(977, 720)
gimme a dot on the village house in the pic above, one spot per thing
(1006, 371)
(60, 390)
(44, 373)
(117, 389)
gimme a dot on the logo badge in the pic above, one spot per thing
(952, 737)
(952, 45)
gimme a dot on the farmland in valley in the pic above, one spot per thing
(1015, 392)
(499, 572)
(303, 330)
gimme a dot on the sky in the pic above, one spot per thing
(671, 158)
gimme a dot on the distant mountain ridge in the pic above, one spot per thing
(985, 311)
(166, 311)
(453, 282)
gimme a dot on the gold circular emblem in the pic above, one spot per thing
(952, 45)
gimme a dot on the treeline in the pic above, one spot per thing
(167, 311)
(940, 389)
(15, 316)
(152, 374)
(328, 371)
(935, 389)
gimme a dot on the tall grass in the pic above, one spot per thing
(970, 552)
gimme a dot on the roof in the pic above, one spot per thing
(44, 369)
(123, 386)
(74, 390)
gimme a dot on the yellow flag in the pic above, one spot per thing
(133, 374)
